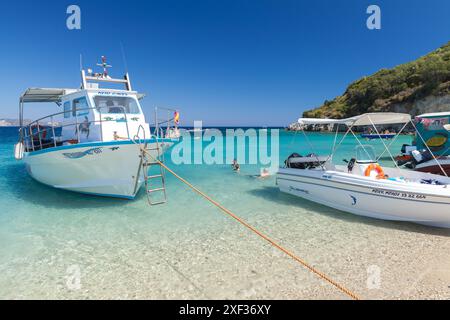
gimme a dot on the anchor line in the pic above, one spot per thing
(317, 272)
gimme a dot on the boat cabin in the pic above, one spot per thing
(101, 115)
(88, 114)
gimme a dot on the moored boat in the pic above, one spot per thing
(94, 143)
(363, 187)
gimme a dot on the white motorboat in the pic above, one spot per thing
(363, 187)
(93, 144)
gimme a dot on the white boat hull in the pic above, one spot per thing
(102, 168)
(381, 199)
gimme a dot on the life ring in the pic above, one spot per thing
(377, 168)
(36, 134)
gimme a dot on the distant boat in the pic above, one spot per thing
(372, 136)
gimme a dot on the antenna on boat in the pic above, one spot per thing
(105, 67)
(123, 57)
(102, 77)
(127, 76)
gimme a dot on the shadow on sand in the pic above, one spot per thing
(274, 194)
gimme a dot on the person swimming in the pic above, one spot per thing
(235, 165)
(264, 173)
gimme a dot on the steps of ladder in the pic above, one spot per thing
(154, 176)
(156, 189)
(148, 164)
(159, 202)
(147, 161)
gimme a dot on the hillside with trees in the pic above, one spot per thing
(419, 86)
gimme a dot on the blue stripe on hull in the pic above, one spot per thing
(94, 144)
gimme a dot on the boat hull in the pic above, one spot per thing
(376, 199)
(102, 168)
(432, 167)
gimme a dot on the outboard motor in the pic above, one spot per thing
(310, 161)
(288, 163)
(403, 149)
(417, 156)
(350, 165)
(426, 156)
(312, 164)
(421, 156)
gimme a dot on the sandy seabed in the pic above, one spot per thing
(61, 245)
(136, 252)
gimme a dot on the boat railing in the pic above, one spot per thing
(165, 125)
(34, 135)
(42, 133)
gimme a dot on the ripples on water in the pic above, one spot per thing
(188, 249)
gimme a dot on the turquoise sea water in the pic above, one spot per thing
(59, 244)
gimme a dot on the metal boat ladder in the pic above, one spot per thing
(155, 182)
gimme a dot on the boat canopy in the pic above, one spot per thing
(44, 94)
(365, 119)
(51, 94)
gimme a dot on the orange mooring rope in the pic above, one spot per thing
(259, 233)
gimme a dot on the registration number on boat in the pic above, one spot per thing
(399, 194)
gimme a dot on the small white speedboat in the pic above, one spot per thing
(363, 187)
(94, 143)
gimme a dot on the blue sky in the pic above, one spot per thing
(259, 62)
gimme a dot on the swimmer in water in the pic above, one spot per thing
(264, 173)
(235, 165)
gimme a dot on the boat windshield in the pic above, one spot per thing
(365, 153)
(110, 104)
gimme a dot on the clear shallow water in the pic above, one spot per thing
(188, 249)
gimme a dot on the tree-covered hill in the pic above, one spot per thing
(398, 89)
